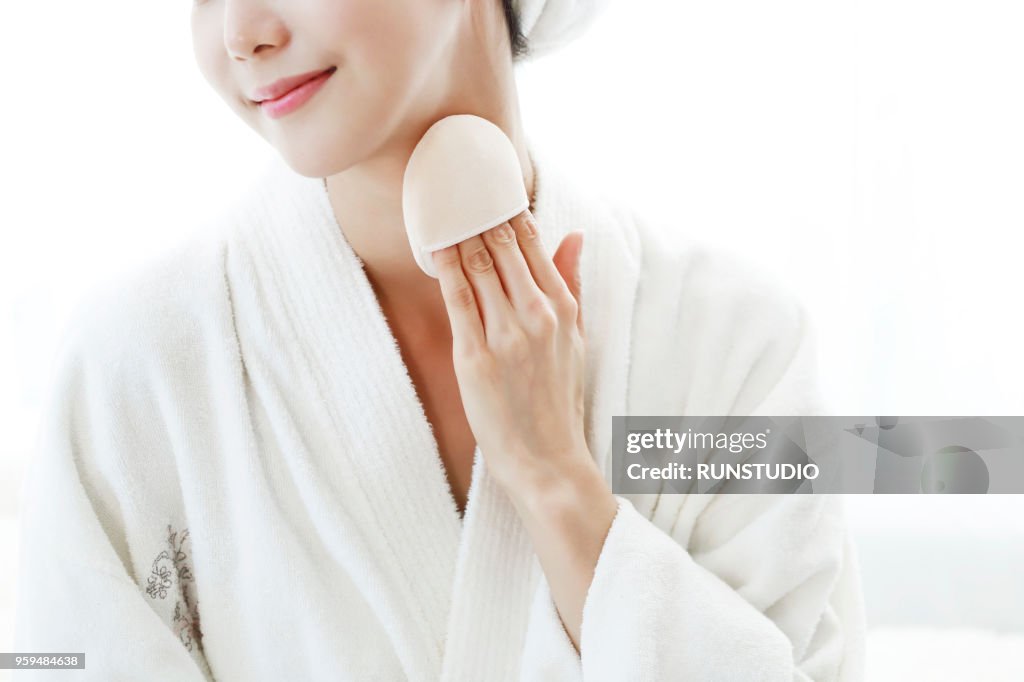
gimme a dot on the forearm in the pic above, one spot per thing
(567, 514)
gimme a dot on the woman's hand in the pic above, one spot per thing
(518, 349)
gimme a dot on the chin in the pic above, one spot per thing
(313, 160)
(319, 155)
(311, 167)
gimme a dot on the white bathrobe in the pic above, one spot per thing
(235, 478)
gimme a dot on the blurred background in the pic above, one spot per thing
(868, 152)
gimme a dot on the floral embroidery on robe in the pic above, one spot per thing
(172, 566)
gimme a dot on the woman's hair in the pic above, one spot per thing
(516, 37)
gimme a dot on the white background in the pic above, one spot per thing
(868, 152)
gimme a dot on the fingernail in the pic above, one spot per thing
(504, 233)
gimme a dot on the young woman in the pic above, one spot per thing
(284, 452)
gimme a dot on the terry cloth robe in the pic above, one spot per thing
(235, 478)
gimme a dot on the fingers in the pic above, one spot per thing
(459, 299)
(537, 258)
(567, 262)
(512, 269)
(477, 263)
(504, 278)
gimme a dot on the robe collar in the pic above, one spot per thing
(456, 591)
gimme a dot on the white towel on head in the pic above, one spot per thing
(550, 24)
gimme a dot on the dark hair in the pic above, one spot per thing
(516, 37)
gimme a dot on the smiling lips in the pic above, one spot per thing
(288, 94)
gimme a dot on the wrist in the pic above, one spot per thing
(552, 490)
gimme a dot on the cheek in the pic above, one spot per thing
(208, 48)
(348, 24)
(214, 65)
(384, 44)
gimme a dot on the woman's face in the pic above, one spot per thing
(392, 61)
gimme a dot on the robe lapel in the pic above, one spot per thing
(379, 491)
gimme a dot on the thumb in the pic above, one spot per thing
(567, 260)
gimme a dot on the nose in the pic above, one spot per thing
(252, 27)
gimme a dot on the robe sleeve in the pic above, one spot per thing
(76, 592)
(723, 586)
(763, 604)
(751, 586)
